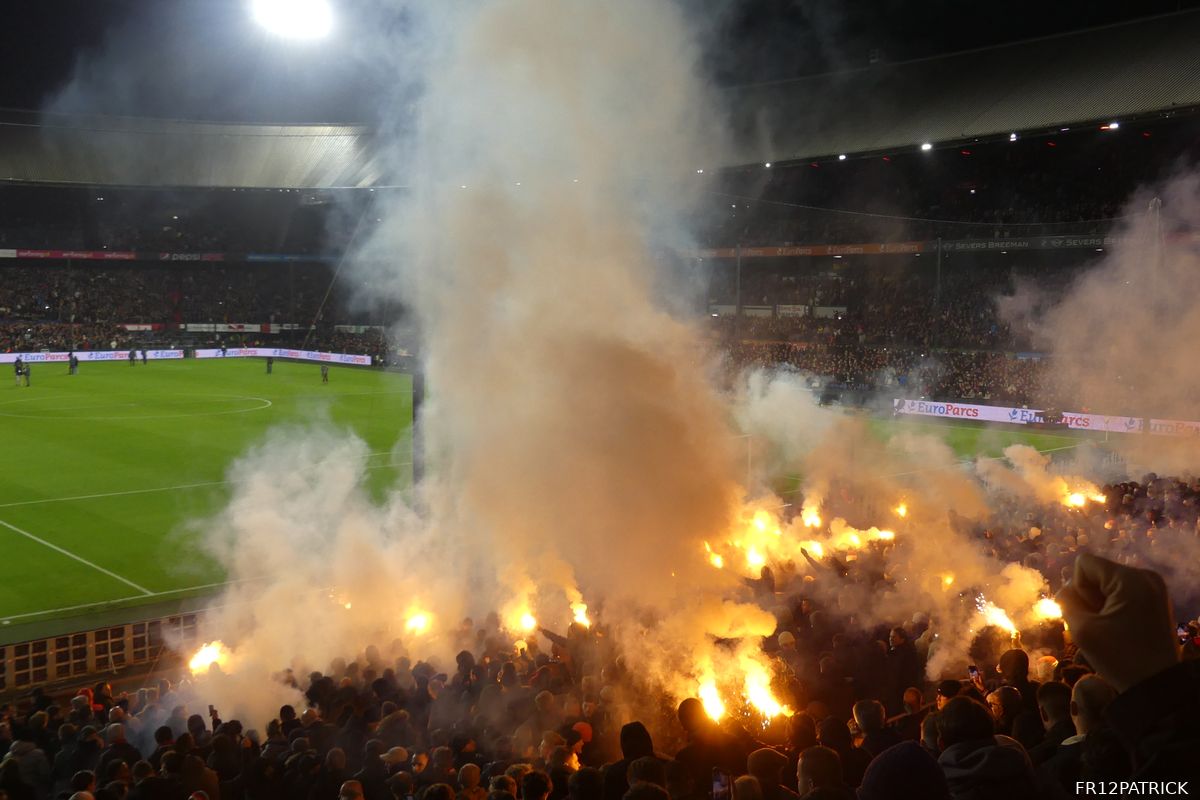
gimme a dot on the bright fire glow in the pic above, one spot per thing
(1076, 500)
(580, 614)
(947, 581)
(754, 558)
(814, 548)
(758, 694)
(994, 615)
(211, 653)
(886, 536)
(528, 622)
(711, 700)
(1046, 608)
(417, 622)
(810, 517)
(714, 558)
(902, 510)
(294, 19)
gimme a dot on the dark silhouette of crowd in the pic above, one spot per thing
(1115, 698)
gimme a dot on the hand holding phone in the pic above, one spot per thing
(722, 787)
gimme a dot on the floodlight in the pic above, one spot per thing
(294, 19)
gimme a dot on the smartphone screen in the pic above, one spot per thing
(973, 671)
(722, 788)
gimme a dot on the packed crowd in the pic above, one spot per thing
(173, 221)
(165, 293)
(1110, 700)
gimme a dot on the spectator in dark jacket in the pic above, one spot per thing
(978, 763)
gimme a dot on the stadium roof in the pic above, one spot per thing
(1147, 67)
(1118, 72)
(128, 151)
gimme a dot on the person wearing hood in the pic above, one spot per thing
(902, 772)
(708, 747)
(978, 763)
(635, 743)
(767, 766)
(12, 785)
(33, 764)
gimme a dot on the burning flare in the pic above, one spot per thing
(528, 622)
(1046, 608)
(902, 510)
(711, 700)
(758, 693)
(417, 622)
(579, 610)
(810, 517)
(211, 653)
(994, 615)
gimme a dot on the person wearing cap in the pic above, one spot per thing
(396, 759)
(945, 690)
(767, 766)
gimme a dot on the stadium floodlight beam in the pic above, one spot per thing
(294, 19)
(842, 157)
(926, 147)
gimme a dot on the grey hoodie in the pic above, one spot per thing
(996, 768)
(35, 767)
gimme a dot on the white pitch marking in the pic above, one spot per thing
(80, 559)
(181, 486)
(6, 620)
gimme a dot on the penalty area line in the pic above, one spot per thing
(179, 487)
(105, 603)
(71, 555)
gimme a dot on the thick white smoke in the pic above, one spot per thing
(579, 450)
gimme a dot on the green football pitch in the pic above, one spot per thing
(100, 472)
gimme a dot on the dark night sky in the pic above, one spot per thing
(206, 59)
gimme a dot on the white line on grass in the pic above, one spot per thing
(102, 603)
(80, 559)
(180, 486)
